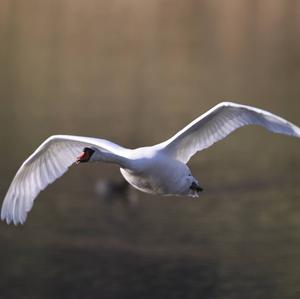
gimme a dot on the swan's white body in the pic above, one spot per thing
(159, 175)
(158, 169)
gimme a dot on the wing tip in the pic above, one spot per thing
(296, 131)
(9, 217)
(13, 220)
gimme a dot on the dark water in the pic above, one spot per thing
(135, 73)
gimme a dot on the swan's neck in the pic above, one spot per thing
(108, 157)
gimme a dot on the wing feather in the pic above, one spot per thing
(49, 162)
(219, 122)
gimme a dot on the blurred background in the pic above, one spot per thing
(135, 72)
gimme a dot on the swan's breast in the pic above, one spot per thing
(157, 176)
(141, 181)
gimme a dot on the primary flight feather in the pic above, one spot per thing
(159, 169)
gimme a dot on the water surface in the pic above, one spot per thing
(135, 73)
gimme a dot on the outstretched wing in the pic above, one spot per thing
(49, 162)
(219, 122)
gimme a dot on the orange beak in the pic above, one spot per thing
(84, 156)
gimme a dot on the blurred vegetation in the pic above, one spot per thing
(135, 72)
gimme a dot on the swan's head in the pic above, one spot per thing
(85, 155)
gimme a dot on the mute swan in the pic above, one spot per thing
(159, 169)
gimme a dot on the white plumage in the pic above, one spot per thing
(158, 169)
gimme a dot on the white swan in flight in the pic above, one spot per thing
(159, 169)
